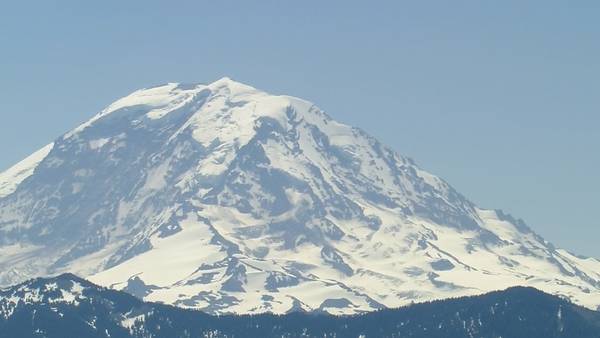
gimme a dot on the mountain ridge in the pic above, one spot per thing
(255, 202)
(69, 306)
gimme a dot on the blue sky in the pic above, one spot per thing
(500, 98)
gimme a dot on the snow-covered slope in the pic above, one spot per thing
(225, 198)
(11, 178)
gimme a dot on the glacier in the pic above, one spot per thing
(225, 198)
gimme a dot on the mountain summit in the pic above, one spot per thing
(225, 198)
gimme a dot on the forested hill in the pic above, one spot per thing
(67, 306)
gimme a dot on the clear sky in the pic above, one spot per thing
(500, 98)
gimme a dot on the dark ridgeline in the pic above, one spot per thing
(517, 312)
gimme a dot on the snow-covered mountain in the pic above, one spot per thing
(225, 198)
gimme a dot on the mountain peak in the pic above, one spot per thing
(232, 84)
(226, 198)
(223, 100)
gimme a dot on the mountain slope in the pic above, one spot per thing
(225, 198)
(67, 306)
